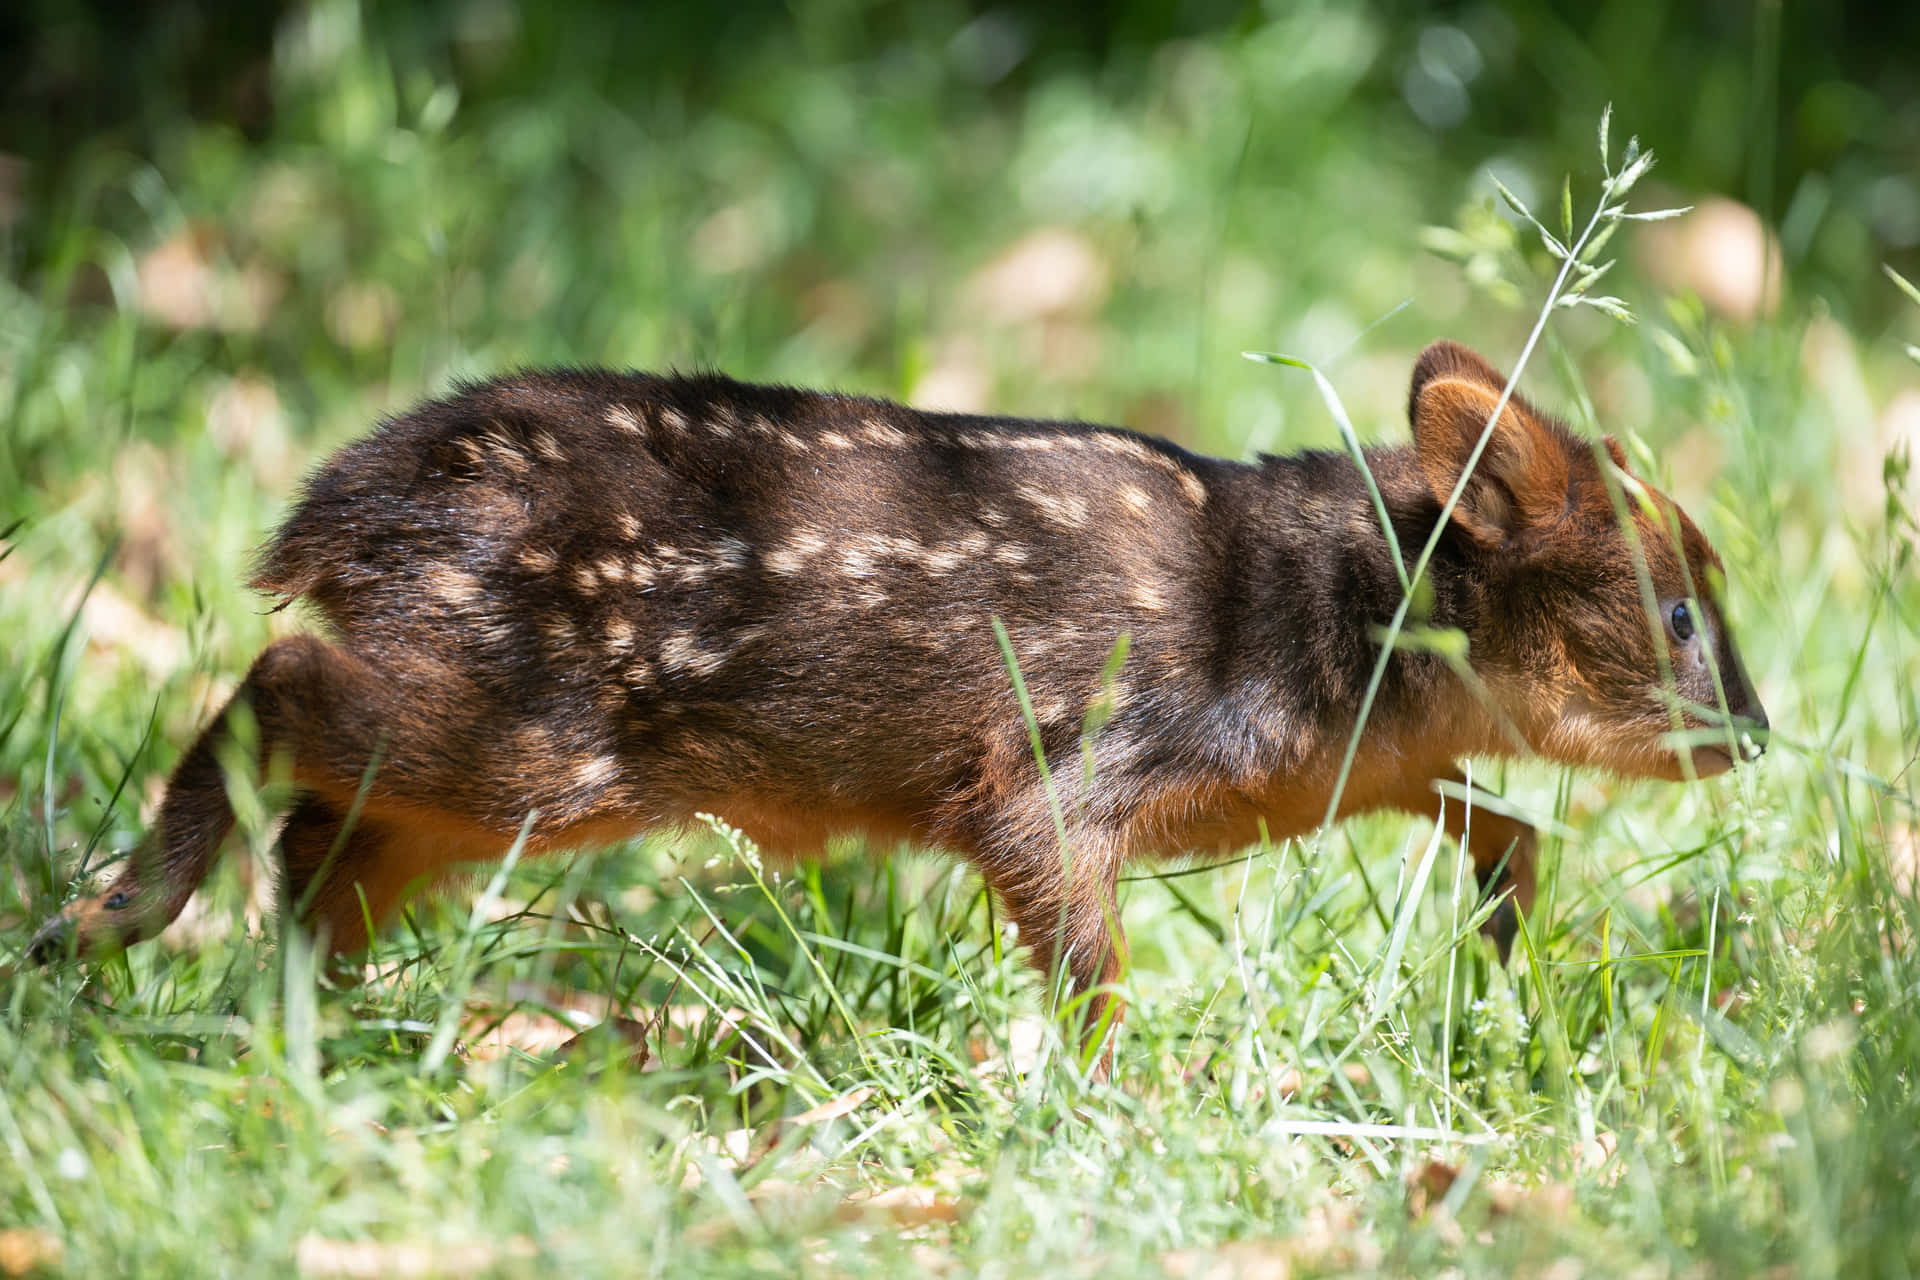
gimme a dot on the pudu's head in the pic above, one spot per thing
(1601, 634)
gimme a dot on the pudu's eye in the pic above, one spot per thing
(1681, 619)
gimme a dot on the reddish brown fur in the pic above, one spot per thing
(619, 601)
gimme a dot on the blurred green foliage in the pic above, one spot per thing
(1808, 112)
(355, 203)
(232, 236)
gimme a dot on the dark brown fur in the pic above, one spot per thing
(619, 601)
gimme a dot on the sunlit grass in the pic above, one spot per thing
(1702, 1054)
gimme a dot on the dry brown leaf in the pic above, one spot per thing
(1024, 1038)
(956, 381)
(1240, 1260)
(904, 1206)
(176, 280)
(1047, 273)
(318, 1257)
(144, 488)
(490, 1037)
(1596, 1154)
(1552, 1199)
(929, 1261)
(116, 625)
(1289, 1082)
(1722, 252)
(1429, 1185)
(834, 1108)
(631, 1032)
(363, 315)
(24, 1250)
(246, 420)
(184, 284)
(736, 238)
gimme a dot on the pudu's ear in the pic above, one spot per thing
(1520, 483)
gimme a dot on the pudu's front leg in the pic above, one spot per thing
(1066, 905)
(1503, 849)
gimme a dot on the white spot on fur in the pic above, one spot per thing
(1148, 596)
(834, 440)
(682, 652)
(613, 569)
(791, 559)
(619, 636)
(621, 418)
(722, 556)
(1141, 451)
(594, 772)
(729, 554)
(547, 447)
(874, 431)
(493, 631)
(587, 579)
(1067, 510)
(504, 450)
(537, 559)
(1125, 446)
(672, 418)
(1010, 553)
(1135, 499)
(455, 587)
(856, 561)
(943, 560)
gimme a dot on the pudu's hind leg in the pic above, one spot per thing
(331, 715)
(331, 877)
(345, 872)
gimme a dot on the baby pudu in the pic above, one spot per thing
(618, 601)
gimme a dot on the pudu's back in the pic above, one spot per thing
(612, 602)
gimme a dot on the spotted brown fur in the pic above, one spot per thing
(617, 601)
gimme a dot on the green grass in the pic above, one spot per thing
(1702, 1057)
